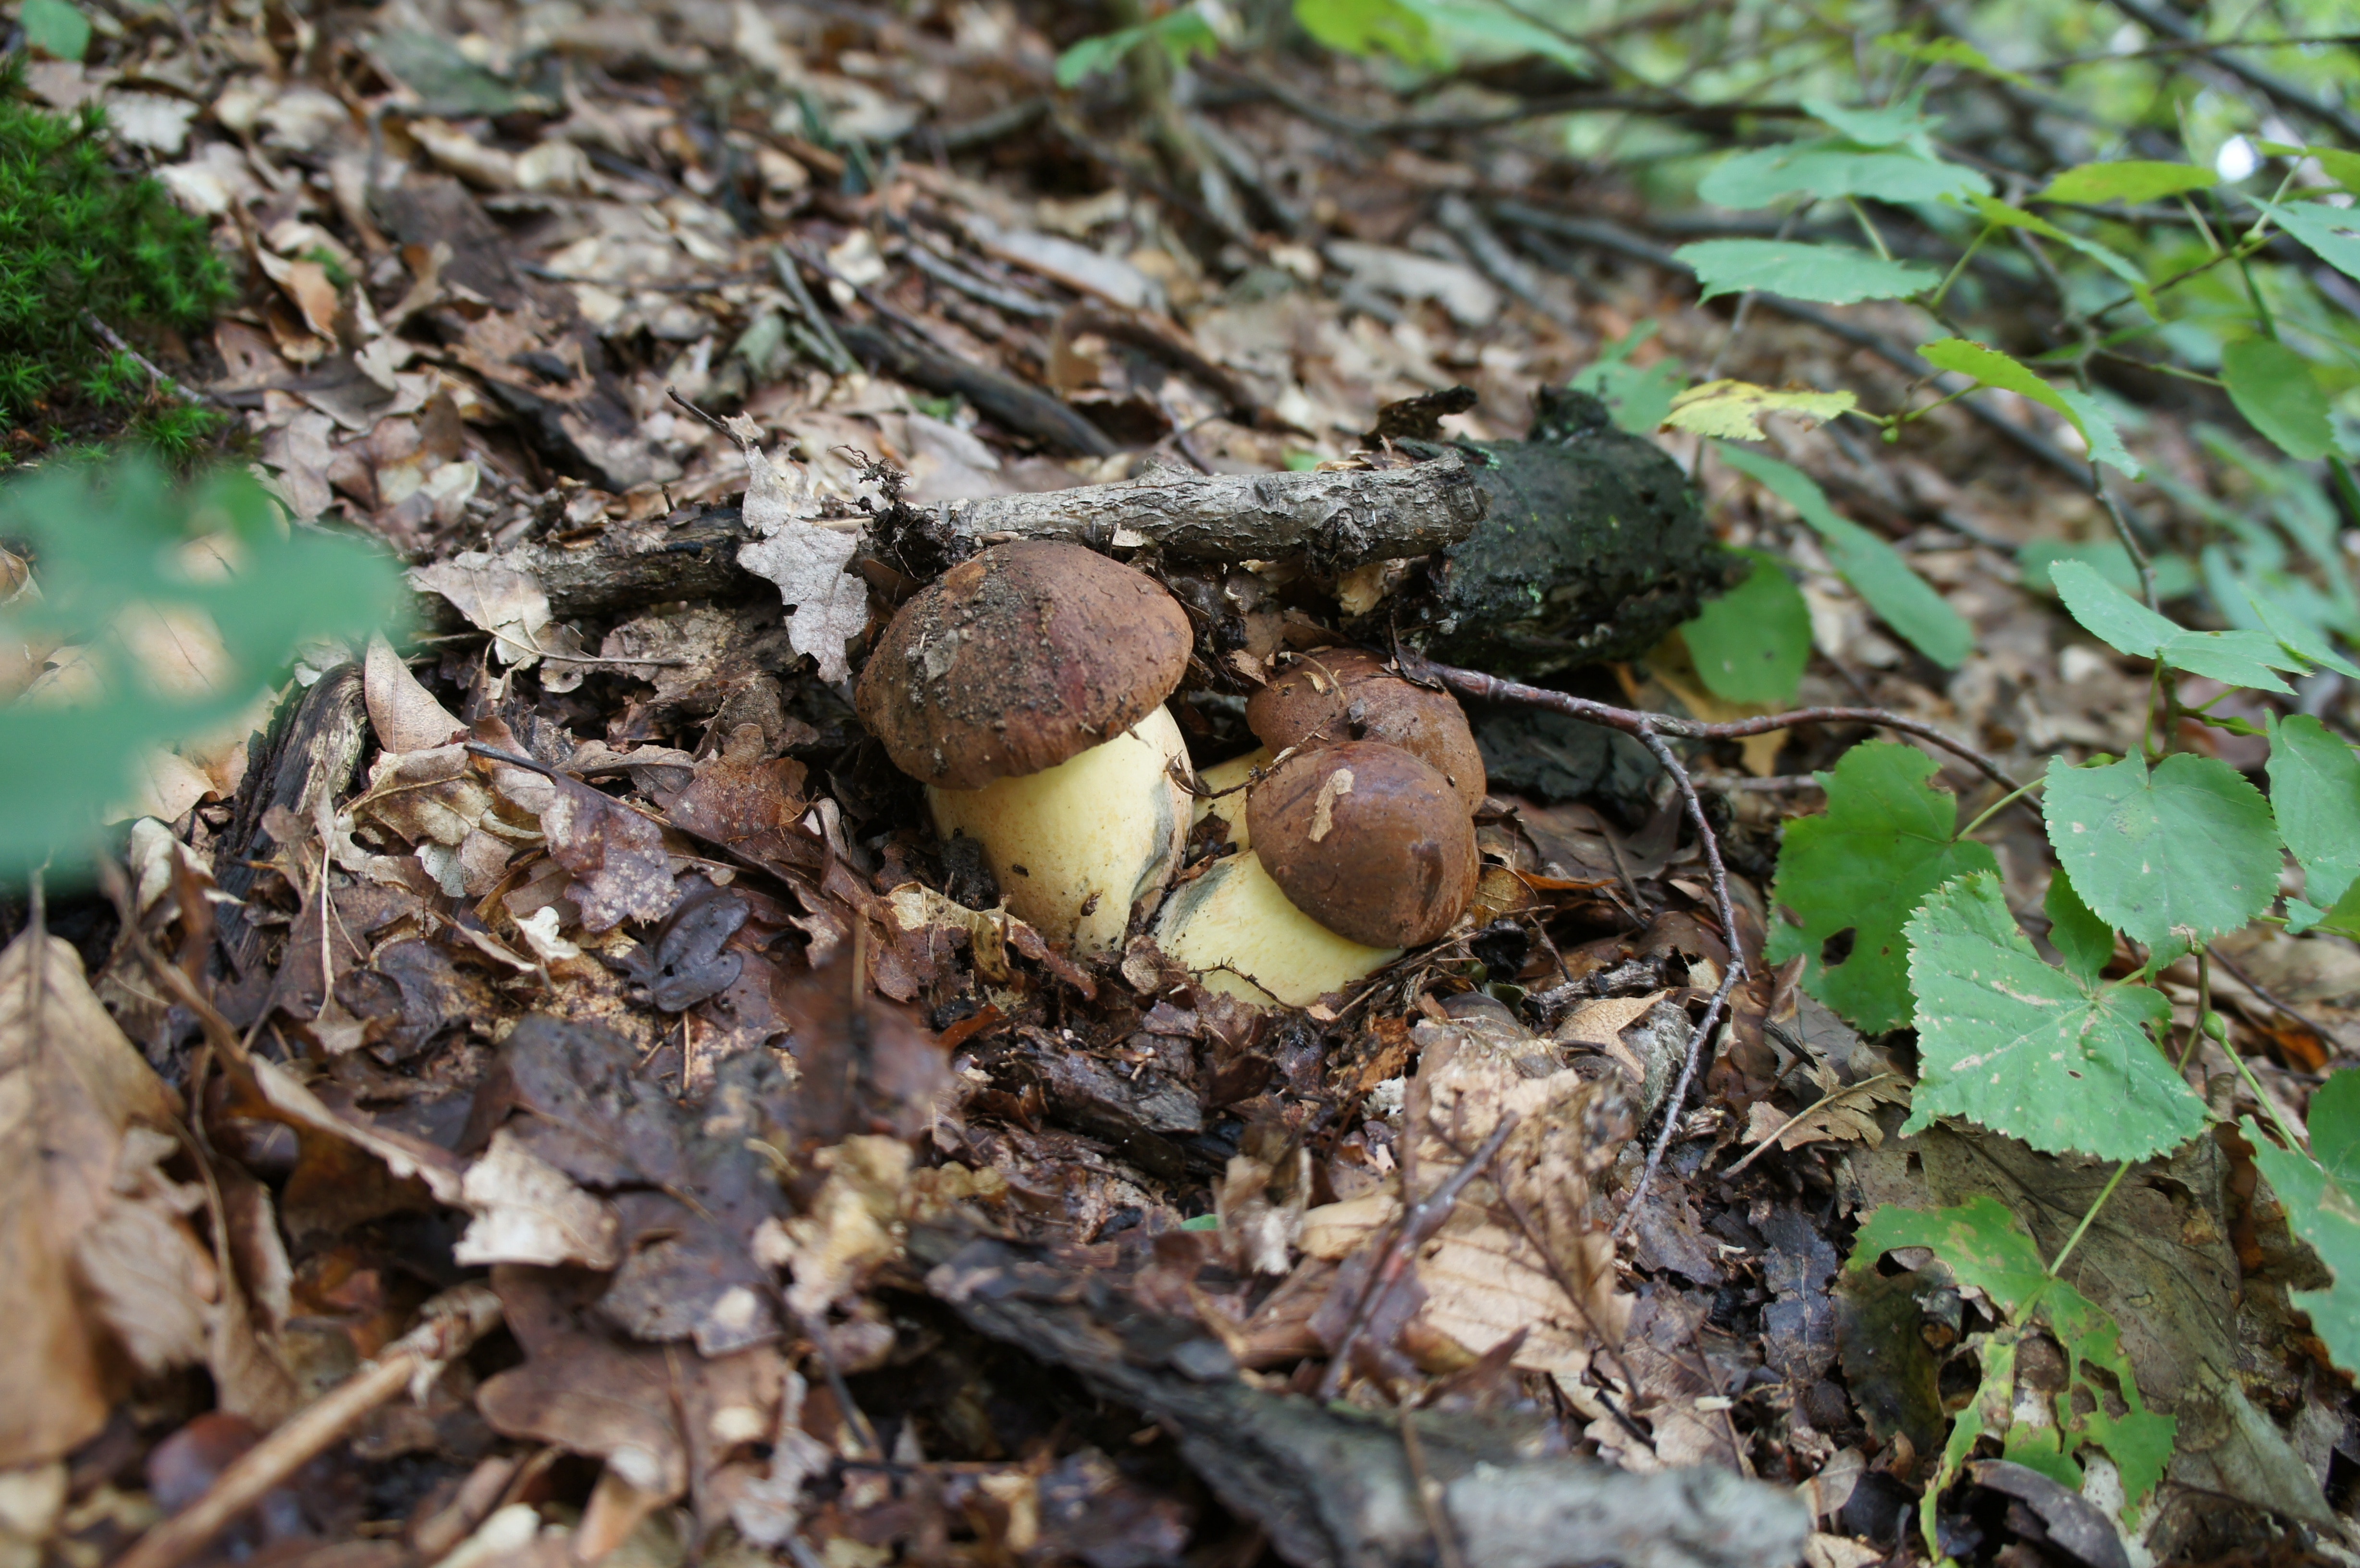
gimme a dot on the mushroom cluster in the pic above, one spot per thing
(1025, 690)
(1357, 844)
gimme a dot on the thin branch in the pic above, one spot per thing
(164, 382)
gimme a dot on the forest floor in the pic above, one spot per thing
(790, 1210)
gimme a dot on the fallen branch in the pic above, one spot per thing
(449, 1326)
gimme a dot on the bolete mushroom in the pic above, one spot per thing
(1225, 797)
(1331, 695)
(1359, 851)
(1025, 690)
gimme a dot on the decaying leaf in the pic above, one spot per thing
(810, 561)
(501, 598)
(620, 868)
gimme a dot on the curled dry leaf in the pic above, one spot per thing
(105, 1271)
(501, 598)
(528, 1210)
(405, 714)
(810, 563)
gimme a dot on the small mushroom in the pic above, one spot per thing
(1368, 840)
(1331, 695)
(1025, 690)
(1235, 931)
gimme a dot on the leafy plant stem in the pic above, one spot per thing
(2294, 1135)
(1875, 240)
(2128, 534)
(1996, 807)
(1943, 290)
(2082, 1229)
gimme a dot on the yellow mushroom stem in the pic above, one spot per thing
(1237, 933)
(1074, 847)
(1230, 807)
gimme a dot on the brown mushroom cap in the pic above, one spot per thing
(1018, 658)
(1336, 695)
(1368, 840)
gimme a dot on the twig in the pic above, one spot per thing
(450, 1325)
(108, 336)
(782, 262)
(1632, 721)
(2173, 26)
(1417, 1226)
(1429, 1494)
(2238, 973)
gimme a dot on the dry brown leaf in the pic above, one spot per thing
(852, 1227)
(73, 1092)
(501, 598)
(1599, 1023)
(620, 868)
(405, 714)
(306, 285)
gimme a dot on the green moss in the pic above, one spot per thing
(81, 236)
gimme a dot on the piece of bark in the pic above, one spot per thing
(1024, 409)
(1341, 519)
(309, 757)
(1332, 1486)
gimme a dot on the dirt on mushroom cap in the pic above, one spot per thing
(1334, 694)
(1368, 840)
(1019, 658)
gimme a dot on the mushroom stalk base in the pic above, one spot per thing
(1235, 931)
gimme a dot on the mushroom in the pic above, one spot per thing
(1359, 851)
(1336, 695)
(1025, 690)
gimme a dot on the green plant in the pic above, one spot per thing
(164, 610)
(84, 242)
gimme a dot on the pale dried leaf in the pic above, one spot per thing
(496, 596)
(852, 1227)
(809, 563)
(528, 1210)
(405, 714)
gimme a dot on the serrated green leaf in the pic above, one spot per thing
(2122, 623)
(56, 28)
(1995, 211)
(2344, 167)
(1830, 274)
(1886, 839)
(1732, 410)
(1993, 368)
(1907, 601)
(2135, 180)
(2173, 577)
(2172, 857)
(2295, 636)
(1985, 1249)
(2279, 394)
(1950, 51)
(1890, 126)
(2083, 940)
(2329, 232)
(2322, 1198)
(2030, 1052)
(1751, 644)
(2315, 795)
(1832, 168)
(1365, 27)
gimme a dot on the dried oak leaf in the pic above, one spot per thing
(752, 805)
(810, 561)
(504, 599)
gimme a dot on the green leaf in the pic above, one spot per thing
(1828, 168)
(1995, 211)
(2173, 856)
(2315, 794)
(1877, 571)
(2296, 636)
(109, 542)
(2084, 942)
(1950, 51)
(55, 29)
(1637, 398)
(2275, 388)
(2134, 182)
(1892, 126)
(1886, 839)
(1751, 644)
(1733, 409)
(1366, 26)
(1993, 368)
(2344, 919)
(2322, 1198)
(2330, 232)
(1184, 34)
(1985, 1250)
(2344, 167)
(2122, 623)
(2173, 577)
(1830, 274)
(2030, 1052)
